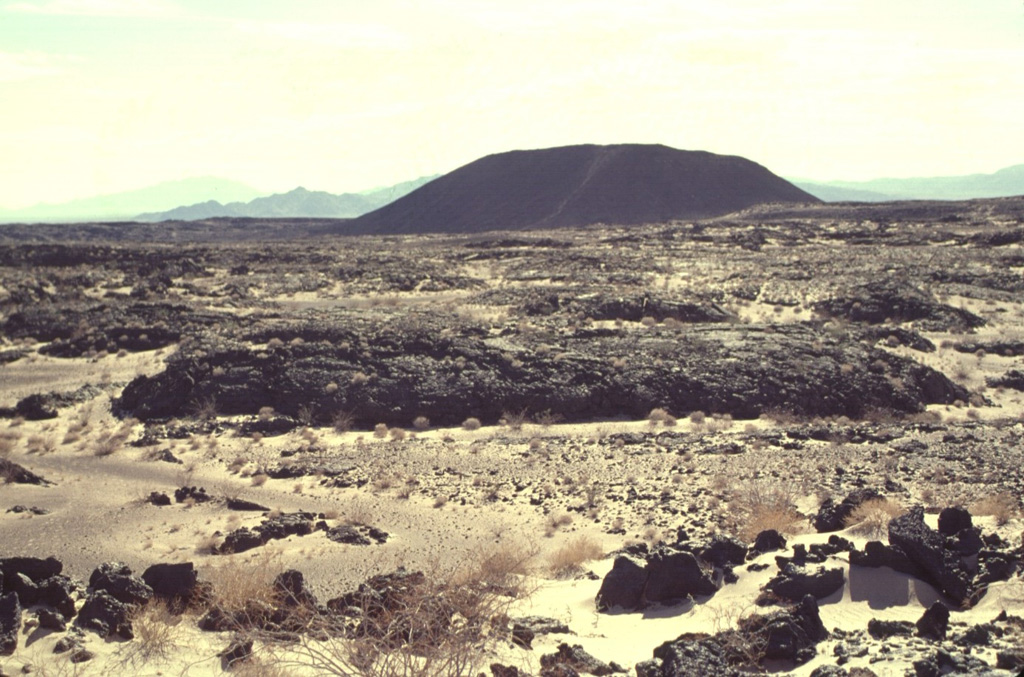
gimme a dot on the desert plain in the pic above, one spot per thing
(785, 440)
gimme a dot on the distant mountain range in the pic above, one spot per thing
(296, 203)
(1003, 183)
(127, 205)
(625, 184)
(211, 197)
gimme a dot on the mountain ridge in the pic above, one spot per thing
(1005, 182)
(126, 205)
(296, 203)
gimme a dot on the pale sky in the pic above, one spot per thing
(100, 96)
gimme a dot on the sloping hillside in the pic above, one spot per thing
(579, 185)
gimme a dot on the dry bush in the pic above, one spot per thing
(380, 431)
(471, 423)
(556, 520)
(421, 423)
(236, 585)
(40, 444)
(503, 565)
(157, 635)
(547, 418)
(259, 480)
(568, 560)
(343, 421)
(871, 518)
(515, 420)
(1002, 506)
(305, 415)
(208, 545)
(757, 506)
(442, 624)
(657, 415)
(397, 434)
(358, 513)
(204, 408)
(109, 443)
(745, 648)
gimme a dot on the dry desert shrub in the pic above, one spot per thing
(757, 506)
(1001, 506)
(421, 423)
(568, 560)
(157, 635)
(547, 418)
(237, 585)
(515, 420)
(471, 423)
(871, 518)
(343, 421)
(446, 623)
(204, 408)
(40, 444)
(380, 431)
(556, 520)
(745, 647)
(110, 442)
(657, 415)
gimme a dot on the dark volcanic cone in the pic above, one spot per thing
(579, 185)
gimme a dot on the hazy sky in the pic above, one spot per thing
(100, 96)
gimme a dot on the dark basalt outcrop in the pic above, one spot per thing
(10, 623)
(356, 534)
(580, 185)
(942, 566)
(424, 366)
(107, 616)
(39, 406)
(794, 582)
(526, 628)
(35, 568)
(598, 305)
(789, 636)
(1014, 378)
(665, 576)
(281, 526)
(13, 472)
(832, 516)
(577, 659)
(174, 582)
(116, 579)
(74, 331)
(892, 300)
(956, 560)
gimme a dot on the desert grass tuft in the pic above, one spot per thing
(871, 518)
(1002, 506)
(568, 560)
(757, 506)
